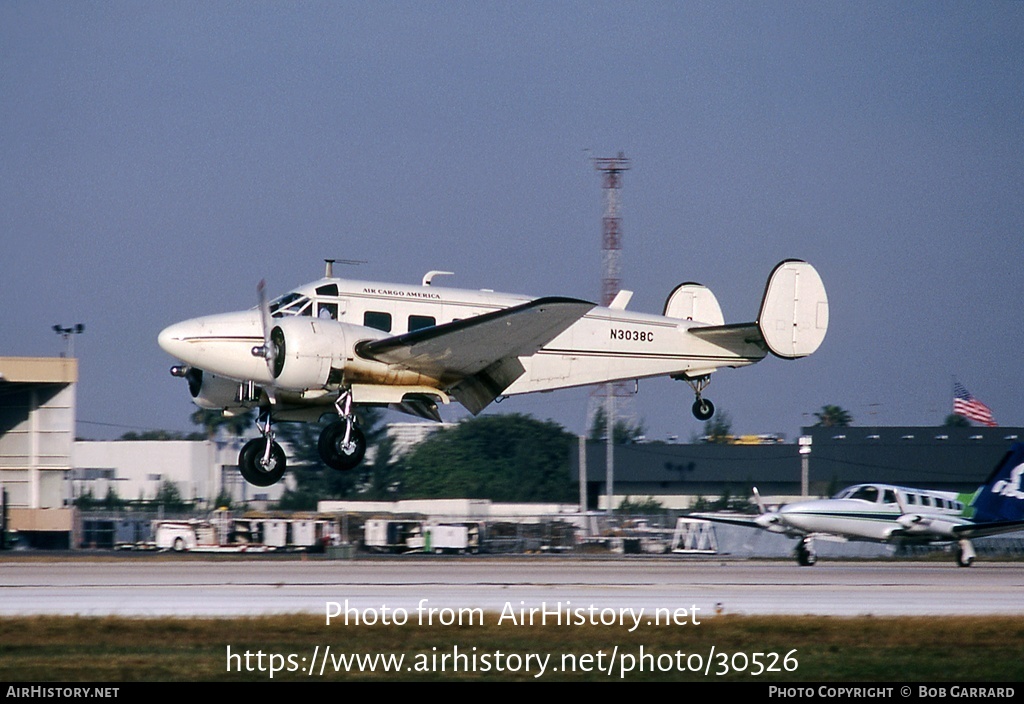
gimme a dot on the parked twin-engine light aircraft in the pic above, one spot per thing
(335, 344)
(884, 513)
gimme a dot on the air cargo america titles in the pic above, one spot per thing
(558, 613)
(399, 293)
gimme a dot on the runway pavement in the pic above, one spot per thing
(243, 586)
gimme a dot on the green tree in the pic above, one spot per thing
(161, 435)
(169, 496)
(643, 507)
(833, 417)
(955, 420)
(623, 432)
(503, 458)
(315, 481)
(112, 501)
(214, 421)
(718, 430)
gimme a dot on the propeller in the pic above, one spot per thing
(268, 350)
(767, 519)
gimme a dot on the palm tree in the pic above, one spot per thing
(833, 417)
(214, 420)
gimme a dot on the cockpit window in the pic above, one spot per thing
(866, 493)
(290, 304)
(890, 497)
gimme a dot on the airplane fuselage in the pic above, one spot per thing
(606, 344)
(341, 343)
(872, 512)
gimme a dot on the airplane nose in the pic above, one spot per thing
(172, 339)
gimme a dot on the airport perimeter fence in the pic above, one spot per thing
(594, 533)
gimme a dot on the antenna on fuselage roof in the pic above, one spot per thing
(329, 265)
(429, 276)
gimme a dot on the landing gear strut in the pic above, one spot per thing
(262, 461)
(342, 445)
(964, 553)
(703, 409)
(805, 555)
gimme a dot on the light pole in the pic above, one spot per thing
(805, 455)
(69, 342)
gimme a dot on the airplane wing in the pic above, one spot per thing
(764, 521)
(735, 519)
(478, 356)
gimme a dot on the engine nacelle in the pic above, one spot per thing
(311, 353)
(211, 391)
(916, 524)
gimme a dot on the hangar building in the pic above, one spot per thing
(954, 459)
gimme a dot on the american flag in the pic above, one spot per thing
(966, 405)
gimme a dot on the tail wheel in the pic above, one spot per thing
(335, 452)
(257, 472)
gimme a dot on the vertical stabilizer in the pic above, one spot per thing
(794, 310)
(1002, 496)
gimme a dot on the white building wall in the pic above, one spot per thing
(37, 425)
(137, 468)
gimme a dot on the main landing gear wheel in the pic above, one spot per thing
(964, 554)
(805, 555)
(703, 409)
(254, 469)
(335, 453)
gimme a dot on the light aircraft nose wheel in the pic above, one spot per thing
(335, 453)
(703, 409)
(252, 466)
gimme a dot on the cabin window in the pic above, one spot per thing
(377, 320)
(418, 322)
(926, 501)
(911, 499)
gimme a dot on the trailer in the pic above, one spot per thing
(223, 533)
(396, 536)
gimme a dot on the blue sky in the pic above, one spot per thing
(157, 159)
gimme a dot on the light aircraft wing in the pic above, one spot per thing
(735, 519)
(478, 356)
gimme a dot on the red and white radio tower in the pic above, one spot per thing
(614, 399)
(611, 169)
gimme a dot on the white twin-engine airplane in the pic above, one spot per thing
(883, 513)
(335, 344)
